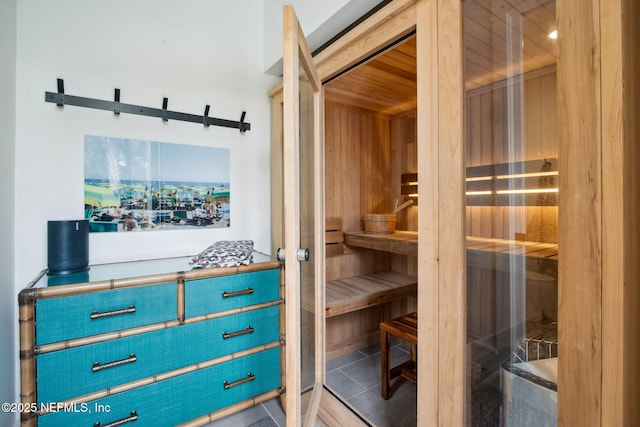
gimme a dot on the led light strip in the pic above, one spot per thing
(529, 191)
(518, 175)
(528, 175)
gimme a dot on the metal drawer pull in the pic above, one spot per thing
(249, 377)
(95, 314)
(237, 293)
(97, 366)
(131, 418)
(247, 330)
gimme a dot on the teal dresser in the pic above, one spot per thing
(149, 343)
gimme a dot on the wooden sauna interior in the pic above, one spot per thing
(371, 141)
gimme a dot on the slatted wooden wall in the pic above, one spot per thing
(529, 108)
(532, 103)
(365, 154)
(404, 157)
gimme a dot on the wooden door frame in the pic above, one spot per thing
(599, 279)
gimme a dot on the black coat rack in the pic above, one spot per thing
(61, 99)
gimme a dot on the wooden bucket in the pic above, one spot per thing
(379, 223)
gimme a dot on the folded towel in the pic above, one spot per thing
(224, 253)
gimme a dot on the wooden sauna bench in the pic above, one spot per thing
(349, 294)
(493, 254)
(399, 242)
(358, 292)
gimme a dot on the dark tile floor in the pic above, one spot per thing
(267, 414)
(356, 378)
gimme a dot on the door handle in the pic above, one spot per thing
(301, 254)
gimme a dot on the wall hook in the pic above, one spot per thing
(242, 124)
(61, 99)
(116, 101)
(165, 103)
(205, 117)
(61, 92)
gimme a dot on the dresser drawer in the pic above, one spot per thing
(179, 399)
(222, 293)
(69, 373)
(75, 316)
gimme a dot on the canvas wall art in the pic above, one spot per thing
(135, 185)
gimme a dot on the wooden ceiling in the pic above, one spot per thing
(494, 31)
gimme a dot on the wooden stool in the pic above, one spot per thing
(405, 328)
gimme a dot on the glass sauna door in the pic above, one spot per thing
(303, 229)
(511, 162)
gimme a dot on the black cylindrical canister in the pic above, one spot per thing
(68, 246)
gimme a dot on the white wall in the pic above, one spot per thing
(320, 20)
(195, 53)
(8, 316)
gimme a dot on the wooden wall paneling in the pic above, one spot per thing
(412, 265)
(532, 118)
(467, 161)
(331, 171)
(351, 163)
(384, 157)
(489, 140)
(549, 117)
(515, 118)
(344, 176)
(535, 132)
(380, 174)
(474, 300)
(335, 165)
(356, 330)
(373, 172)
(486, 158)
(483, 148)
(411, 145)
(404, 160)
(474, 156)
(503, 311)
(398, 156)
(547, 230)
(500, 125)
(359, 167)
(365, 143)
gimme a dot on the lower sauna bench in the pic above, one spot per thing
(358, 292)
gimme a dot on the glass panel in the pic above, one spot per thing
(307, 238)
(512, 213)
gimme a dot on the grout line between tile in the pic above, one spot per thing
(270, 415)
